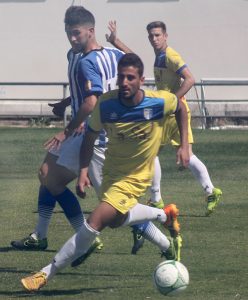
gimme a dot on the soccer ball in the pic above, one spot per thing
(171, 277)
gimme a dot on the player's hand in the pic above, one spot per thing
(82, 183)
(58, 110)
(60, 107)
(55, 142)
(182, 157)
(111, 38)
(80, 130)
(79, 193)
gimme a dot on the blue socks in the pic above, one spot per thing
(46, 204)
(71, 207)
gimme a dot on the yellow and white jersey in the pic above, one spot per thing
(167, 70)
(134, 133)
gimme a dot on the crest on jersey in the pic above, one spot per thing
(113, 116)
(87, 85)
(148, 113)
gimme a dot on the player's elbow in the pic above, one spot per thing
(191, 81)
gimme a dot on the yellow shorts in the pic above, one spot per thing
(123, 194)
(171, 133)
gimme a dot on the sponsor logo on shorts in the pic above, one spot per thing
(123, 202)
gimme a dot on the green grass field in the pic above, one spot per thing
(215, 248)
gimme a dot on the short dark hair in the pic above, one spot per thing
(132, 60)
(156, 24)
(78, 15)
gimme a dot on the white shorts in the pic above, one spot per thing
(68, 157)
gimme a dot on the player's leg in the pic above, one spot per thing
(169, 130)
(198, 168)
(200, 172)
(153, 234)
(149, 231)
(168, 216)
(104, 215)
(156, 198)
(53, 179)
(155, 201)
(95, 175)
(37, 240)
(69, 162)
(111, 212)
(170, 247)
(95, 168)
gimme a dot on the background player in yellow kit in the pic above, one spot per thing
(172, 74)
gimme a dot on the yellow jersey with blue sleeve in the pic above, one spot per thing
(134, 137)
(167, 70)
(168, 67)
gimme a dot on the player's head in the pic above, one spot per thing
(130, 75)
(79, 27)
(157, 35)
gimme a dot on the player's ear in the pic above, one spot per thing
(142, 80)
(92, 30)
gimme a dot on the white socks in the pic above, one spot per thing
(155, 188)
(76, 246)
(41, 228)
(141, 213)
(200, 172)
(196, 166)
(80, 242)
(155, 236)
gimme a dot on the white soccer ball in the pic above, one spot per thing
(171, 277)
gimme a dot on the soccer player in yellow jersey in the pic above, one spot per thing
(134, 121)
(171, 74)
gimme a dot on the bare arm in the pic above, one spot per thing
(182, 123)
(86, 152)
(114, 40)
(84, 111)
(188, 82)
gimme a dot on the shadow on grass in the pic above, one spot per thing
(8, 249)
(74, 274)
(24, 294)
(193, 216)
(62, 212)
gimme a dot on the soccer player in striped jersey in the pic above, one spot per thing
(134, 120)
(92, 70)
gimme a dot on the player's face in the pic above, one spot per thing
(158, 39)
(129, 82)
(78, 36)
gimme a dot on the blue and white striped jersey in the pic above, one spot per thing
(92, 74)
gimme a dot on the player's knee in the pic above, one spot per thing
(42, 175)
(98, 226)
(113, 226)
(119, 220)
(190, 150)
